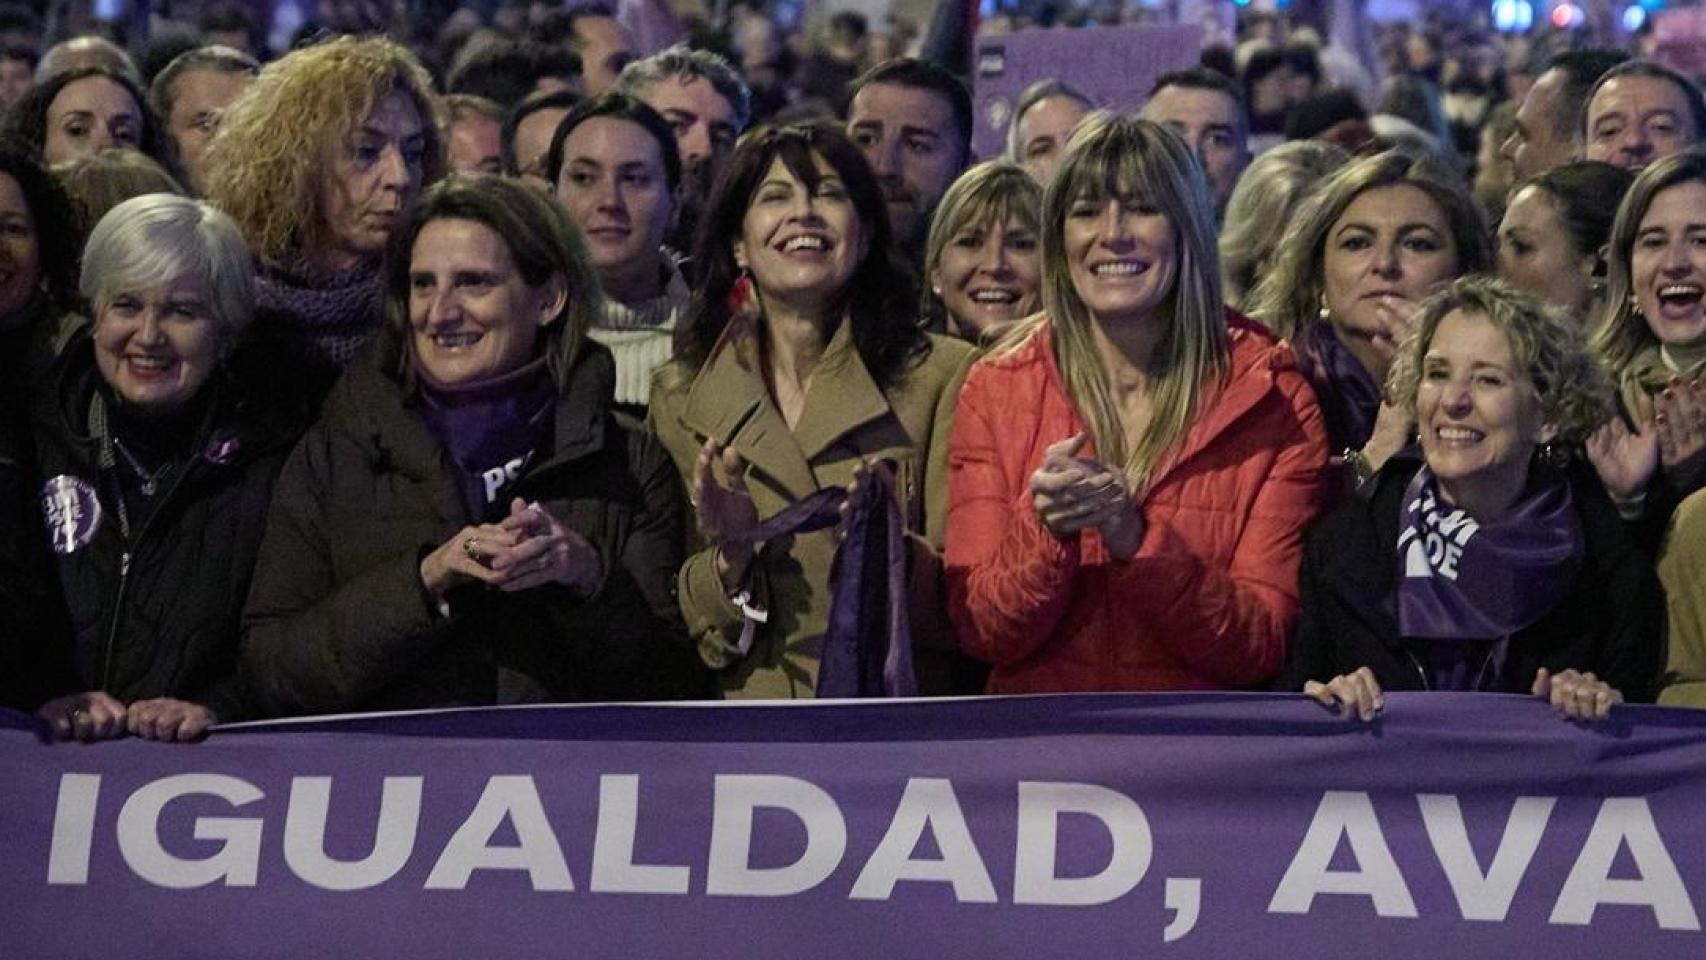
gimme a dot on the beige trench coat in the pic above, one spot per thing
(846, 419)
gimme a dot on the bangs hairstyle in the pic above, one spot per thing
(1289, 298)
(1113, 156)
(272, 152)
(879, 300)
(541, 241)
(987, 195)
(1623, 332)
(1572, 389)
(160, 238)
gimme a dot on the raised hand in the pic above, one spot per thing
(1681, 422)
(1625, 459)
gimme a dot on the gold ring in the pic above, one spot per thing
(470, 546)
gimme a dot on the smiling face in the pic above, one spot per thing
(614, 186)
(1476, 413)
(989, 274)
(88, 116)
(1667, 266)
(1391, 244)
(156, 348)
(372, 179)
(472, 314)
(20, 251)
(1537, 254)
(802, 244)
(1122, 255)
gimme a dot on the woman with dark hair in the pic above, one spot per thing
(800, 362)
(615, 167)
(1132, 470)
(467, 523)
(84, 111)
(1551, 241)
(38, 268)
(38, 277)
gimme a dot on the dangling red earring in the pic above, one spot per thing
(743, 298)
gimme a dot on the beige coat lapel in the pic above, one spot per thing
(729, 403)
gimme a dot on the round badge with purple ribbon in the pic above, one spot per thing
(72, 512)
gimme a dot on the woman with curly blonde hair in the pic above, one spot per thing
(317, 162)
(1494, 561)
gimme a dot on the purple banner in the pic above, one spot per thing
(1113, 66)
(1213, 826)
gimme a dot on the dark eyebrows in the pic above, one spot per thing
(908, 130)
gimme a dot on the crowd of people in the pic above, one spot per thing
(510, 365)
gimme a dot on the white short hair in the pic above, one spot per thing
(151, 240)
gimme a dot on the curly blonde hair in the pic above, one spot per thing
(1573, 390)
(267, 163)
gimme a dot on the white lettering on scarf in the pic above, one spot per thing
(1436, 553)
(497, 478)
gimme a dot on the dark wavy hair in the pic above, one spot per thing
(622, 107)
(880, 300)
(28, 123)
(56, 236)
(541, 239)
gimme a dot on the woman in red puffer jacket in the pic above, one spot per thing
(1130, 474)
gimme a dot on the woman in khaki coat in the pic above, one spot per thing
(799, 364)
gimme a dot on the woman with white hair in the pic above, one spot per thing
(158, 455)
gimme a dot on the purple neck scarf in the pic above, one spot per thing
(336, 312)
(492, 430)
(1468, 586)
(1349, 394)
(867, 648)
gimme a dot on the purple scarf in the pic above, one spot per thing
(1465, 587)
(867, 648)
(1349, 394)
(336, 313)
(492, 430)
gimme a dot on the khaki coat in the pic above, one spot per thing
(847, 418)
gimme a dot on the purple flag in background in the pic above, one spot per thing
(1212, 826)
(651, 24)
(1113, 66)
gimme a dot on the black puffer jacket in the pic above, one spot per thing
(338, 619)
(158, 614)
(1610, 620)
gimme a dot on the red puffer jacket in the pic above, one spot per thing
(1209, 599)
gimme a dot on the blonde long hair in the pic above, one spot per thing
(1110, 155)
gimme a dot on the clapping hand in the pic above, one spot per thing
(1624, 458)
(1681, 423)
(724, 509)
(1071, 494)
(525, 549)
